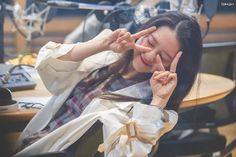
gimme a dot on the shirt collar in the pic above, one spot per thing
(141, 90)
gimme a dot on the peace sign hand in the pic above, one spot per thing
(164, 82)
(121, 40)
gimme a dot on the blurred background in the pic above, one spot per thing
(217, 19)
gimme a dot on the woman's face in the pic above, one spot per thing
(164, 46)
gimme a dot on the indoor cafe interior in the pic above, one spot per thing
(63, 65)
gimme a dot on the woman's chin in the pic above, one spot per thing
(136, 67)
(140, 69)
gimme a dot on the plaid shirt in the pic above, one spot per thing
(77, 102)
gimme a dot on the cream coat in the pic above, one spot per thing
(60, 77)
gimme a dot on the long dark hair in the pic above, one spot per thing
(189, 36)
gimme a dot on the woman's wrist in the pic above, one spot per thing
(85, 49)
(98, 44)
(102, 42)
(159, 102)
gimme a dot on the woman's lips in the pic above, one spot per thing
(144, 61)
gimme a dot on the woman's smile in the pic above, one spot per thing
(145, 61)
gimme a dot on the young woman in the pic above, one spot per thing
(129, 82)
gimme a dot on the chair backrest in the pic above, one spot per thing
(220, 112)
(225, 109)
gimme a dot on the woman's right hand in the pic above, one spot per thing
(118, 41)
(121, 40)
(163, 82)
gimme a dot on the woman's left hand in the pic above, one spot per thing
(164, 82)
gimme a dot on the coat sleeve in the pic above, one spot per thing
(56, 74)
(136, 134)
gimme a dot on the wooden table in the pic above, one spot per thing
(207, 88)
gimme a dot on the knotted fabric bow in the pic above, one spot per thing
(135, 134)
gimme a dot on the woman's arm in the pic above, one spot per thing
(83, 50)
(119, 41)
